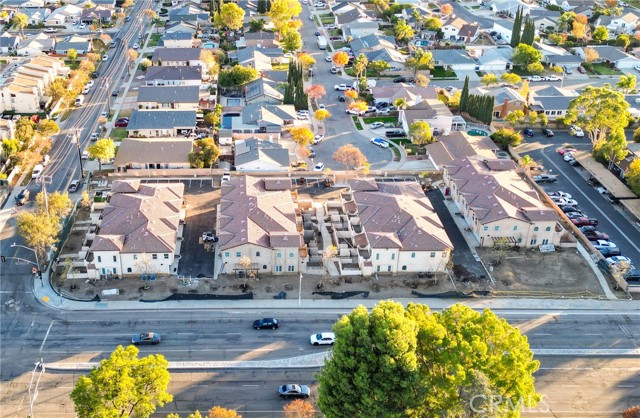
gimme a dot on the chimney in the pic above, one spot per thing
(504, 107)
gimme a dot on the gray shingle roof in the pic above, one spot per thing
(173, 73)
(177, 36)
(176, 54)
(169, 94)
(254, 149)
(161, 119)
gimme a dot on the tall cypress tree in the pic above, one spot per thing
(464, 96)
(517, 28)
(288, 94)
(529, 32)
(262, 6)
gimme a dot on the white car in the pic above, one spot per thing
(355, 112)
(619, 259)
(37, 171)
(552, 78)
(105, 57)
(334, 70)
(302, 114)
(82, 25)
(376, 125)
(535, 78)
(323, 338)
(318, 4)
(379, 142)
(560, 194)
(317, 139)
(340, 87)
(136, 46)
(328, 58)
(576, 131)
(321, 106)
(50, 30)
(85, 90)
(331, 27)
(90, 83)
(319, 167)
(637, 68)
(568, 156)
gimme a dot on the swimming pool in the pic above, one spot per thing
(227, 121)
(477, 132)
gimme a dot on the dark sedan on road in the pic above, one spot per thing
(294, 391)
(548, 132)
(146, 338)
(266, 323)
(528, 132)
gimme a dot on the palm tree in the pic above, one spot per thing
(20, 21)
(157, 21)
(400, 103)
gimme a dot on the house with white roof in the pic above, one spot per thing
(617, 25)
(69, 13)
(35, 45)
(498, 205)
(432, 111)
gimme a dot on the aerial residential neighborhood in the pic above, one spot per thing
(238, 183)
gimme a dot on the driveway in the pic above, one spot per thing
(462, 254)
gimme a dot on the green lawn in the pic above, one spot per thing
(72, 64)
(356, 120)
(338, 45)
(441, 72)
(522, 72)
(279, 67)
(602, 69)
(118, 134)
(154, 39)
(383, 119)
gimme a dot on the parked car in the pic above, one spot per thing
(596, 235)
(618, 260)
(528, 132)
(146, 338)
(73, 187)
(319, 167)
(560, 194)
(637, 68)
(328, 58)
(567, 70)
(312, 153)
(552, 78)
(568, 209)
(581, 70)
(317, 139)
(576, 131)
(136, 45)
(115, 93)
(264, 323)
(632, 277)
(395, 133)
(105, 57)
(575, 215)
(587, 228)
(341, 87)
(548, 132)
(535, 78)
(50, 30)
(563, 201)
(323, 338)
(562, 151)
(122, 123)
(37, 171)
(545, 178)
(376, 125)
(342, 99)
(294, 391)
(606, 248)
(302, 114)
(334, 70)
(568, 156)
(23, 197)
(331, 27)
(379, 142)
(584, 221)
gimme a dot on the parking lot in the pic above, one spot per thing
(573, 180)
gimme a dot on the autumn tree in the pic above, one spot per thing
(299, 409)
(132, 56)
(378, 66)
(421, 60)
(205, 154)
(623, 41)
(600, 34)
(210, 61)
(579, 30)
(72, 54)
(633, 176)
(514, 117)
(590, 55)
(489, 79)
(103, 150)
(306, 60)
(220, 412)
(421, 80)
(506, 137)
(359, 106)
(321, 114)
(420, 132)
(282, 11)
(87, 66)
(237, 76)
(20, 21)
(302, 136)
(350, 156)
(316, 91)
(290, 40)
(598, 111)
(403, 32)
(340, 59)
(433, 23)
(359, 65)
(511, 78)
(626, 83)
(446, 9)
(123, 385)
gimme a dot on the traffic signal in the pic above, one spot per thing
(3, 258)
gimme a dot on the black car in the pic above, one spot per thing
(146, 338)
(312, 153)
(596, 235)
(268, 323)
(95, 74)
(400, 80)
(115, 93)
(587, 228)
(527, 132)
(341, 99)
(317, 33)
(23, 197)
(548, 132)
(567, 209)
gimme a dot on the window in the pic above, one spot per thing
(100, 260)
(535, 229)
(404, 268)
(291, 268)
(393, 256)
(264, 267)
(533, 241)
(154, 256)
(128, 269)
(378, 256)
(389, 268)
(545, 241)
(257, 253)
(413, 255)
(115, 258)
(227, 254)
(548, 229)
(279, 255)
(377, 268)
(115, 271)
(278, 269)
(485, 228)
(135, 256)
(496, 228)
(433, 254)
(290, 255)
(238, 254)
(166, 256)
(104, 271)
(515, 227)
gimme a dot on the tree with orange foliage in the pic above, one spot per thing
(359, 106)
(316, 91)
(220, 412)
(350, 156)
(299, 409)
(340, 59)
(352, 94)
(446, 9)
(302, 136)
(306, 60)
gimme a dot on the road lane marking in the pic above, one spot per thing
(46, 335)
(541, 335)
(627, 334)
(592, 335)
(257, 386)
(625, 386)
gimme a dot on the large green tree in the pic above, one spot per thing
(283, 11)
(403, 32)
(600, 34)
(420, 132)
(231, 16)
(394, 362)
(613, 149)
(206, 153)
(633, 176)
(237, 76)
(291, 40)
(525, 54)
(598, 111)
(123, 385)
(626, 83)
(421, 60)
(103, 150)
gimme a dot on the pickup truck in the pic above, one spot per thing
(545, 178)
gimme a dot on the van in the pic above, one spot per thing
(395, 133)
(79, 100)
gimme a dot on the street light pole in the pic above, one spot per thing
(38, 269)
(76, 137)
(106, 89)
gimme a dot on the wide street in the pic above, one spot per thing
(583, 354)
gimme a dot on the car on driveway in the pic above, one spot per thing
(379, 142)
(527, 132)
(548, 132)
(122, 123)
(317, 139)
(323, 338)
(266, 323)
(535, 78)
(294, 391)
(146, 338)
(581, 70)
(376, 125)
(356, 112)
(331, 27)
(576, 131)
(23, 197)
(596, 235)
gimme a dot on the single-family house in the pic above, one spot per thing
(506, 100)
(190, 14)
(177, 40)
(173, 76)
(552, 101)
(257, 218)
(410, 93)
(36, 17)
(153, 153)
(139, 230)
(9, 42)
(262, 90)
(572, 5)
(457, 145)
(69, 13)
(186, 27)
(617, 25)
(253, 154)
(378, 47)
(451, 28)
(110, 4)
(260, 39)
(253, 57)
(400, 232)
(503, 28)
(35, 45)
(161, 123)
(360, 28)
(169, 97)
(545, 20)
(494, 58)
(81, 44)
(350, 16)
(178, 57)
(432, 111)
(612, 55)
(96, 14)
(24, 4)
(455, 59)
(498, 205)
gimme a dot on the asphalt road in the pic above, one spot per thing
(572, 180)
(30, 334)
